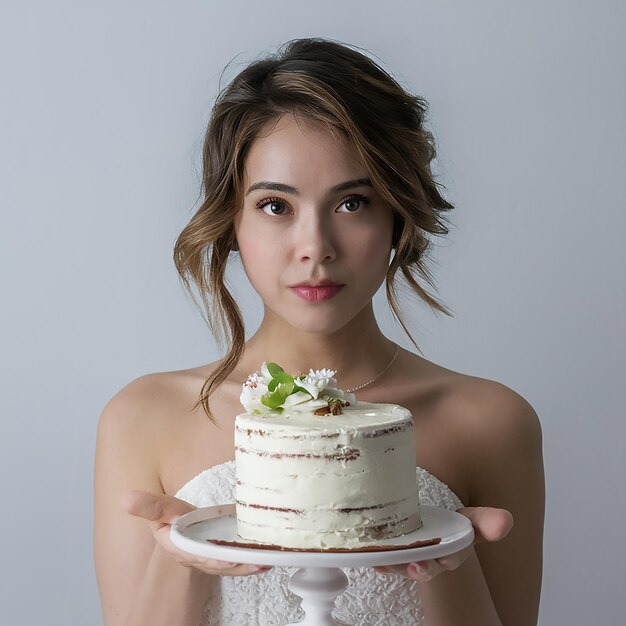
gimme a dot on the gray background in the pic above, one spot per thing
(104, 105)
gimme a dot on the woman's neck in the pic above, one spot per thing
(357, 352)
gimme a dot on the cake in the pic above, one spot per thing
(315, 469)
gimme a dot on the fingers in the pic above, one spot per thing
(160, 511)
(424, 571)
(223, 568)
(401, 569)
(490, 524)
(155, 507)
(206, 565)
(451, 562)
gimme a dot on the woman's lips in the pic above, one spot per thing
(314, 294)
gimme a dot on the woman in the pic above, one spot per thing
(317, 173)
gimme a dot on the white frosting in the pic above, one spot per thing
(313, 481)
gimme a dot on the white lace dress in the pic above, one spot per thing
(372, 599)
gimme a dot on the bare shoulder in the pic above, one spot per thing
(492, 413)
(500, 436)
(159, 417)
(485, 411)
(476, 434)
(153, 396)
(149, 406)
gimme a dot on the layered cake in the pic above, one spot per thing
(316, 469)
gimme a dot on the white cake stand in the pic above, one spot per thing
(320, 579)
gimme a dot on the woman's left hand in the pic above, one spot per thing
(489, 524)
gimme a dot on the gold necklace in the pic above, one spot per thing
(393, 358)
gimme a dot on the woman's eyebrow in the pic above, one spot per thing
(264, 184)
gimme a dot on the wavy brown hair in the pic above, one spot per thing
(338, 86)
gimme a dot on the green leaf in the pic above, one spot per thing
(283, 377)
(287, 387)
(278, 373)
(274, 369)
(273, 399)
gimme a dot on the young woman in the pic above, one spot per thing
(317, 174)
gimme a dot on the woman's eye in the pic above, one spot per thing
(353, 203)
(276, 206)
(271, 206)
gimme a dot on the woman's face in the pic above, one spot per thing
(314, 231)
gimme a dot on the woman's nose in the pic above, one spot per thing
(315, 241)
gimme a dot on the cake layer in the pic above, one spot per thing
(350, 535)
(366, 417)
(278, 480)
(305, 480)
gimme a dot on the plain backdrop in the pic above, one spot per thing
(103, 109)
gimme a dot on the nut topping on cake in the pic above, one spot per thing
(334, 407)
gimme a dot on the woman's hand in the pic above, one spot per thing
(161, 511)
(489, 525)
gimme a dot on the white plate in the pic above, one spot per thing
(193, 533)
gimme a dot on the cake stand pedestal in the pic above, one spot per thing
(318, 587)
(320, 579)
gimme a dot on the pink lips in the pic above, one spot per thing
(315, 294)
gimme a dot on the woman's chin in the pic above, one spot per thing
(316, 319)
(321, 325)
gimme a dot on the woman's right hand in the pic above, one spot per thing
(161, 511)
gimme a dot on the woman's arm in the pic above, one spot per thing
(509, 474)
(497, 581)
(139, 583)
(500, 440)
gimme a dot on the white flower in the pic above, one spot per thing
(316, 389)
(317, 380)
(301, 401)
(342, 395)
(252, 390)
(265, 373)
